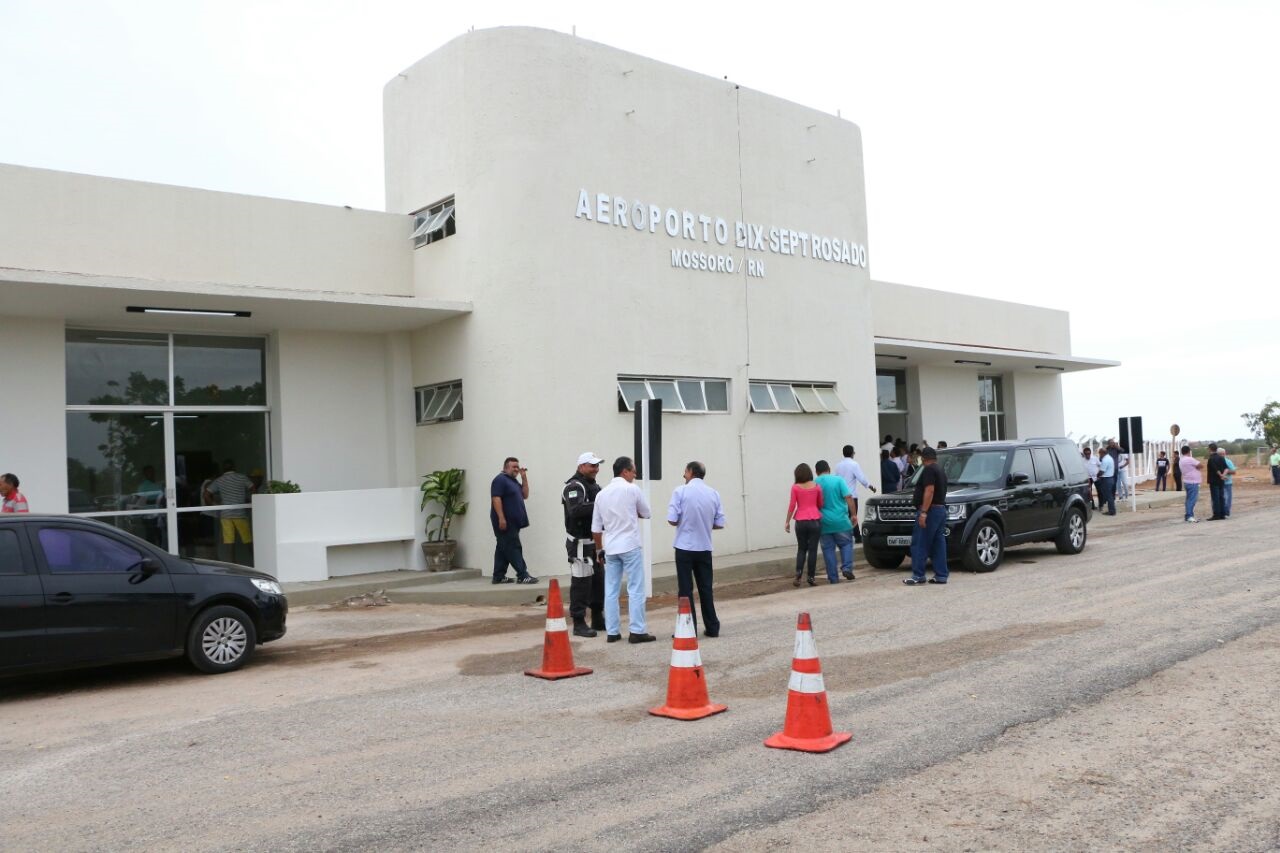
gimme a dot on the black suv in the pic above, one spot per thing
(999, 493)
(76, 592)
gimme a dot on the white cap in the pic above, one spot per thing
(589, 458)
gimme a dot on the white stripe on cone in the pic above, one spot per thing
(686, 659)
(684, 627)
(805, 648)
(557, 625)
(806, 682)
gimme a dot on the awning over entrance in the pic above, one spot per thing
(903, 352)
(90, 300)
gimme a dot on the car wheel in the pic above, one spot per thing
(985, 548)
(883, 559)
(1072, 536)
(221, 639)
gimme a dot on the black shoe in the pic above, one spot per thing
(613, 638)
(715, 633)
(504, 580)
(796, 582)
(597, 620)
(935, 580)
(527, 579)
(848, 576)
(913, 581)
(812, 582)
(641, 638)
(580, 629)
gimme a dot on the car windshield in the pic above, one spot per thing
(970, 467)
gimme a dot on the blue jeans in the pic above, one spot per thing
(1227, 488)
(632, 563)
(1107, 494)
(1193, 492)
(929, 544)
(830, 542)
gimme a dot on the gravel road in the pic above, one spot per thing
(1125, 698)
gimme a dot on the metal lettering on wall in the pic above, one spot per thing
(635, 215)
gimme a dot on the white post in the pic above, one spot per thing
(1133, 485)
(646, 525)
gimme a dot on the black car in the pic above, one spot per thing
(76, 592)
(999, 493)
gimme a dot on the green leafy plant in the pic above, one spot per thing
(1266, 423)
(282, 487)
(443, 488)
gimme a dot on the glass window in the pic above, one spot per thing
(1022, 463)
(691, 394)
(964, 467)
(829, 398)
(434, 223)
(630, 392)
(891, 390)
(809, 399)
(115, 461)
(785, 398)
(67, 550)
(436, 403)
(10, 553)
(991, 408)
(207, 444)
(761, 399)
(717, 395)
(117, 368)
(664, 390)
(1046, 468)
(212, 370)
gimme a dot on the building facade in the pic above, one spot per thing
(569, 228)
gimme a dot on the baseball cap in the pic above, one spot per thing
(589, 458)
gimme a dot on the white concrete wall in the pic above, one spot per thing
(514, 123)
(948, 405)
(102, 226)
(33, 427)
(1036, 405)
(341, 403)
(919, 313)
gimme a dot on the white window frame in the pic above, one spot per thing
(434, 222)
(795, 398)
(432, 409)
(991, 418)
(685, 407)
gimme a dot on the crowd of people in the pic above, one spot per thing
(1107, 477)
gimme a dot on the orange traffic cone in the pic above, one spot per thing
(808, 724)
(557, 656)
(686, 685)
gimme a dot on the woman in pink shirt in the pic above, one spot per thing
(1191, 469)
(11, 500)
(806, 508)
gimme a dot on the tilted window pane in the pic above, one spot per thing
(426, 396)
(117, 368)
(808, 398)
(760, 399)
(211, 370)
(831, 400)
(691, 394)
(666, 392)
(785, 398)
(632, 393)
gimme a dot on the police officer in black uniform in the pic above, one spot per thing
(586, 586)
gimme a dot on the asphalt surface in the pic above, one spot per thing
(445, 744)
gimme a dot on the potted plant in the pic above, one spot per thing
(443, 488)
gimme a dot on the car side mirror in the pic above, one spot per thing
(1017, 478)
(149, 565)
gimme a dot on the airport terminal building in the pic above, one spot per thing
(569, 228)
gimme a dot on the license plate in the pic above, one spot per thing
(899, 541)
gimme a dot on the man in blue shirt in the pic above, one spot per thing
(838, 518)
(508, 516)
(695, 511)
(1107, 483)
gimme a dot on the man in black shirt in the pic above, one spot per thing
(1216, 472)
(586, 568)
(927, 534)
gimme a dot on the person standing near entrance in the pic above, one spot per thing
(615, 527)
(508, 516)
(232, 487)
(1107, 482)
(1191, 481)
(838, 520)
(889, 474)
(695, 510)
(13, 500)
(851, 472)
(928, 540)
(586, 566)
(1162, 472)
(1216, 468)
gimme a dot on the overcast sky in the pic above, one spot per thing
(1119, 160)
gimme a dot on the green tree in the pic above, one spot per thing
(1266, 423)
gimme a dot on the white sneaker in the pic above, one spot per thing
(1193, 520)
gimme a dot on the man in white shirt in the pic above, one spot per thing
(851, 472)
(615, 527)
(1091, 467)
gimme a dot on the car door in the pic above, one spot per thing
(22, 630)
(105, 597)
(1050, 488)
(1019, 515)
